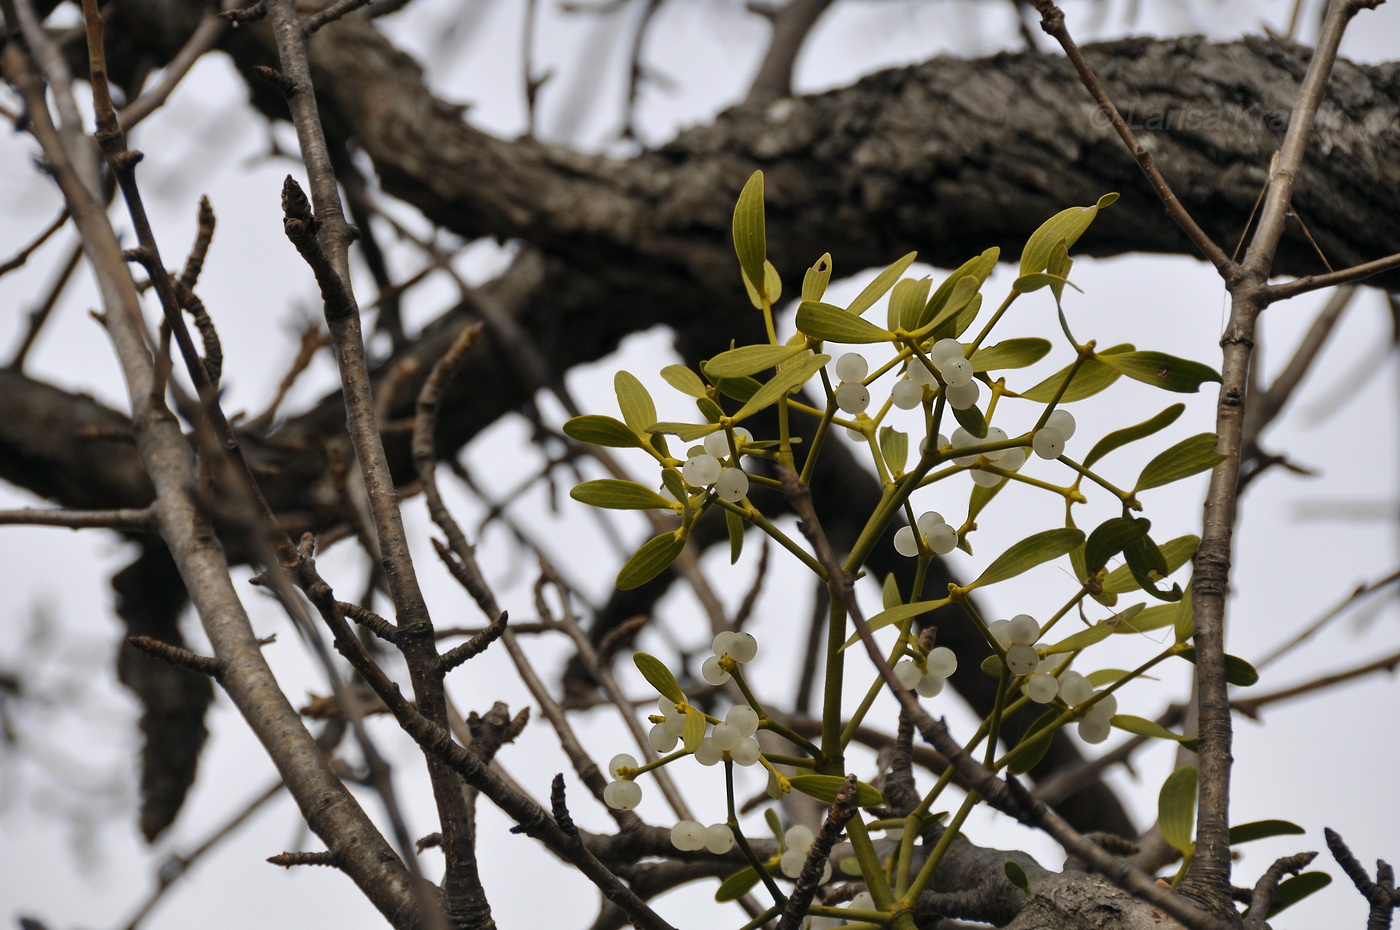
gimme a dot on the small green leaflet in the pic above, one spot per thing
(674, 483)
(814, 282)
(894, 446)
(1119, 438)
(788, 378)
(1161, 370)
(634, 402)
(1185, 626)
(1028, 553)
(1092, 377)
(749, 360)
(889, 592)
(876, 289)
(1149, 565)
(771, 282)
(694, 731)
(976, 268)
(709, 409)
(1029, 283)
(1017, 876)
(896, 615)
(614, 494)
(649, 561)
(737, 885)
(1176, 808)
(971, 419)
(907, 301)
(750, 235)
(1144, 727)
(1237, 670)
(1149, 619)
(1263, 829)
(1188, 457)
(829, 322)
(1177, 553)
(684, 380)
(1036, 748)
(688, 432)
(1066, 226)
(740, 389)
(602, 431)
(959, 297)
(1010, 353)
(1295, 889)
(658, 676)
(825, 787)
(1084, 638)
(1109, 538)
(734, 525)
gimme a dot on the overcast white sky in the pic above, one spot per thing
(69, 850)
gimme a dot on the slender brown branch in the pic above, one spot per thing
(791, 26)
(1265, 406)
(40, 314)
(1380, 894)
(1250, 707)
(129, 520)
(840, 814)
(1265, 889)
(330, 14)
(178, 656)
(1314, 282)
(1361, 591)
(204, 37)
(22, 256)
(1052, 20)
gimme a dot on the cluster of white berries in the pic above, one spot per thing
(937, 535)
(928, 678)
(1008, 459)
(1017, 636)
(692, 836)
(851, 395)
(1094, 727)
(624, 793)
(707, 468)
(797, 845)
(740, 646)
(1049, 441)
(734, 738)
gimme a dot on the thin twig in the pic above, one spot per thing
(791, 26)
(130, 520)
(1250, 706)
(22, 256)
(1315, 282)
(1362, 590)
(201, 40)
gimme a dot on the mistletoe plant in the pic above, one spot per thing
(932, 355)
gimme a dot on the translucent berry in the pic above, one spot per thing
(996, 434)
(941, 661)
(1094, 729)
(726, 736)
(942, 539)
(621, 761)
(1012, 458)
(1024, 629)
(956, 371)
(622, 795)
(856, 435)
(929, 686)
(1022, 659)
(713, 672)
(908, 673)
(851, 367)
(961, 440)
(1063, 421)
(743, 718)
(723, 642)
(906, 394)
(792, 862)
(688, 836)
(799, 838)
(717, 444)
(862, 902)
(707, 753)
(742, 648)
(1042, 688)
(719, 839)
(928, 520)
(700, 471)
(1001, 632)
(906, 541)
(962, 396)
(920, 374)
(986, 479)
(1075, 688)
(675, 717)
(732, 485)
(945, 349)
(1048, 443)
(852, 397)
(747, 752)
(662, 739)
(1107, 706)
